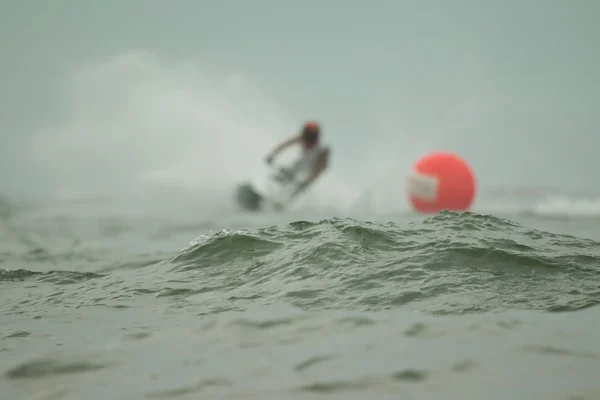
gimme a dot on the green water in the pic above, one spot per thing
(451, 306)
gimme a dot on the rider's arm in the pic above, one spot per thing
(284, 145)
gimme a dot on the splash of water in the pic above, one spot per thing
(136, 125)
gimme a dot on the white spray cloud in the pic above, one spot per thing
(134, 122)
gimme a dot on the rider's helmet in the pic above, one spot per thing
(310, 134)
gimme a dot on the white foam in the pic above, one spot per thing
(562, 205)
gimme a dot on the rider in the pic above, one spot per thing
(314, 158)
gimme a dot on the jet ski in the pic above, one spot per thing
(275, 194)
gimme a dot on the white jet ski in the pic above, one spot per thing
(274, 194)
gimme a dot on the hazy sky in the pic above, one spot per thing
(99, 94)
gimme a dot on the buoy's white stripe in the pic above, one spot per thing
(422, 186)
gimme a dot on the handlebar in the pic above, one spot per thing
(282, 174)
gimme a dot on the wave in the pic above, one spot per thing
(450, 263)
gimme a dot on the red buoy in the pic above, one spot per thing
(441, 181)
